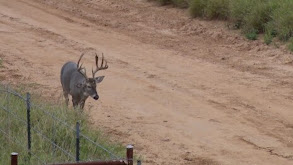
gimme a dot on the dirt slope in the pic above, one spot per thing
(183, 91)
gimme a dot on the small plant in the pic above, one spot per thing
(178, 3)
(290, 46)
(1, 62)
(164, 2)
(268, 38)
(252, 34)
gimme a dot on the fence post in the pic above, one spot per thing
(77, 142)
(129, 154)
(138, 162)
(14, 158)
(28, 114)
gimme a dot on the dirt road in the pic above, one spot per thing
(183, 91)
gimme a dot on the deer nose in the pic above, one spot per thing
(96, 97)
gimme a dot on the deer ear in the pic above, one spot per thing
(99, 79)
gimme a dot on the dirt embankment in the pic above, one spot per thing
(183, 91)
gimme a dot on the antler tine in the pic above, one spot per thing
(102, 67)
(97, 59)
(80, 68)
(80, 59)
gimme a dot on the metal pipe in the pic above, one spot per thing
(28, 114)
(14, 158)
(129, 154)
(77, 142)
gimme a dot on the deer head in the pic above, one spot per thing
(89, 84)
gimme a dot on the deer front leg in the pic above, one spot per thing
(82, 104)
(66, 98)
(75, 103)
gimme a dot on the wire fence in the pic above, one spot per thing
(44, 135)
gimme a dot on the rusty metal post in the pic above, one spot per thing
(129, 154)
(14, 158)
(138, 162)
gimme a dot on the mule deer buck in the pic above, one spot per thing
(76, 83)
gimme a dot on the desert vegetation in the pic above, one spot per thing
(272, 18)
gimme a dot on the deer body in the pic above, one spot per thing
(77, 84)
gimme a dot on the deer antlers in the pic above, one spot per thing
(82, 70)
(102, 67)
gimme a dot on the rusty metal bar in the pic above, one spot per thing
(129, 154)
(95, 163)
(14, 158)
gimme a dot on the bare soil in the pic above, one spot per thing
(183, 91)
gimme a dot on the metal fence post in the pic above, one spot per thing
(77, 141)
(28, 114)
(129, 154)
(14, 158)
(138, 162)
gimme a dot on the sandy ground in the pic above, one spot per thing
(182, 90)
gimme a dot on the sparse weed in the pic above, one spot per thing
(290, 46)
(178, 3)
(268, 38)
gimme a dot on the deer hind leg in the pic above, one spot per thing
(66, 97)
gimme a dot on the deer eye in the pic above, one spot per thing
(88, 86)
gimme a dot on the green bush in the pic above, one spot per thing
(251, 35)
(197, 8)
(217, 9)
(260, 15)
(283, 20)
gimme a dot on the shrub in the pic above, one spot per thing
(260, 15)
(217, 9)
(197, 8)
(252, 34)
(238, 9)
(283, 20)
